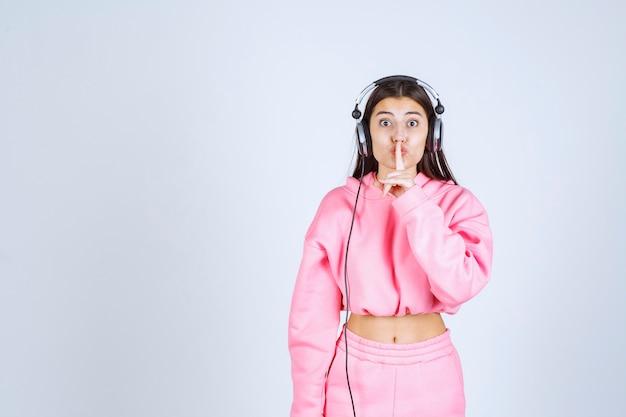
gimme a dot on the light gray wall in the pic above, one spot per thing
(160, 162)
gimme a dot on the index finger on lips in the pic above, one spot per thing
(399, 162)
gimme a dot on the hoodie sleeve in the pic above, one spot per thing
(451, 239)
(312, 333)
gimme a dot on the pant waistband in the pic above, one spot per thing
(395, 353)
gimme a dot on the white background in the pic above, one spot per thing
(160, 162)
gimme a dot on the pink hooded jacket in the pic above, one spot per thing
(429, 250)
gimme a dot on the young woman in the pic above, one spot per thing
(396, 246)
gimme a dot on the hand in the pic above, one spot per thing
(400, 180)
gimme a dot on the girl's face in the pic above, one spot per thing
(393, 120)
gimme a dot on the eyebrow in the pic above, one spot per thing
(388, 112)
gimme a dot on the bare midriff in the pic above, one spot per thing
(411, 328)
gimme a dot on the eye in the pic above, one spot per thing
(385, 123)
(412, 123)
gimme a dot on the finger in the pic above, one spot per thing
(386, 189)
(399, 162)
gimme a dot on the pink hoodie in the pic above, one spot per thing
(428, 250)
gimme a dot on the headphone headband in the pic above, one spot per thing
(434, 96)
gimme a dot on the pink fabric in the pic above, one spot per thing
(429, 250)
(396, 380)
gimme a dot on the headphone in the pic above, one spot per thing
(435, 136)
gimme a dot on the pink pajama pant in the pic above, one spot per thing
(421, 379)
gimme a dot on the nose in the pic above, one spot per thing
(400, 135)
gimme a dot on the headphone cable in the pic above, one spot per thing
(345, 277)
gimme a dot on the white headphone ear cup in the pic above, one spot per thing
(437, 132)
(362, 143)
